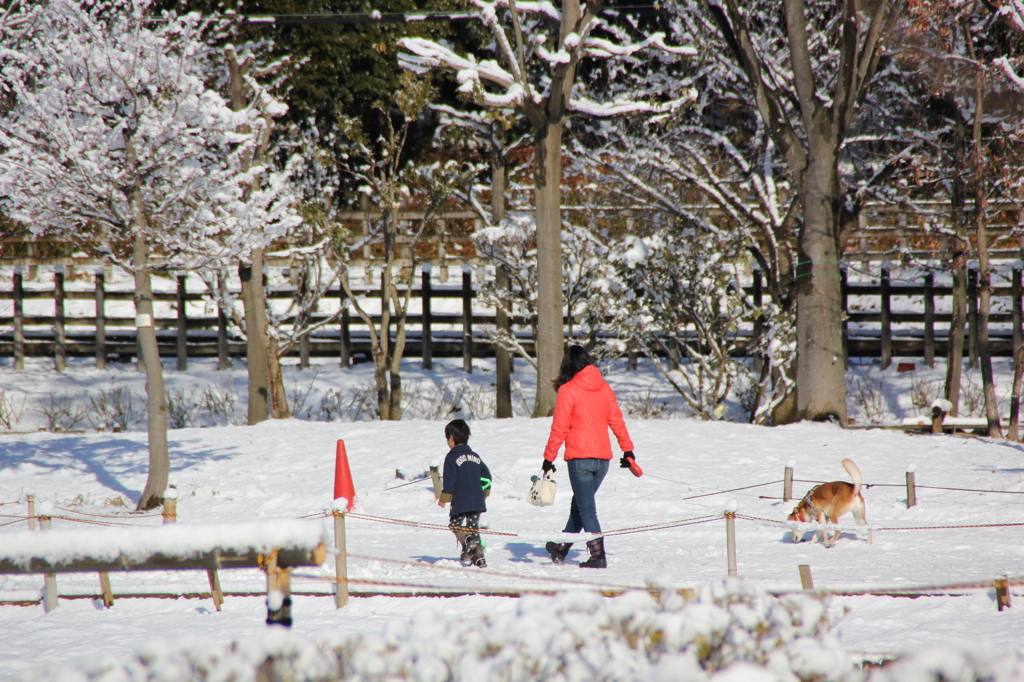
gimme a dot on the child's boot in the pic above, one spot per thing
(558, 551)
(476, 555)
(597, 558)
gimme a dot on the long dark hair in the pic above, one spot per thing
(575, 359)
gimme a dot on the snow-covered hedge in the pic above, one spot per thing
(725, 633)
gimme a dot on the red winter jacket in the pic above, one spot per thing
(585, 408)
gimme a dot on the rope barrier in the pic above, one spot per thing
(485, 571)
(798, 525)
(485, 531)
(9, 523)
(903, 485)
(707, 487)
(114, 515)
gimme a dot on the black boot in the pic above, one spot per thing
(558, 551)
(596, 559)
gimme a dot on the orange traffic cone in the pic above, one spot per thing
(343, 478)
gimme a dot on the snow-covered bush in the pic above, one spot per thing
(668, 634)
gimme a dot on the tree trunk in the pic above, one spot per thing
(156, 403)
(278, 396)
(1018, 375)
(255, 337)
(958, 267)
(502, 358)
(550, 334)
(821, 382)
(985, 273)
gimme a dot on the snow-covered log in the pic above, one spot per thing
(172, 547)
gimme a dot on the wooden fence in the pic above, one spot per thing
(873, 331)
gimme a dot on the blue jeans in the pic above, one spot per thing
(585, 476)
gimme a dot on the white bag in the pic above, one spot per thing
(542, 492)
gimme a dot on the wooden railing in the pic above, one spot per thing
(922, 332)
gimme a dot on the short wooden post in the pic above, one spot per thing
(972, 317)
(1002, 593)
(631, 360)
(938, 416)
(911, 487)
(344, 333)
(467, 320)
(50, 579)
(435, 477)
(106, 594)
(279, 590)
(929, 319)
(170, 512)
(61, 342)
(31, 501)
(100, 296)
(19, 322)
(1017, 292)
(223, 361)
(341, 561)
(730, 536)
(215, 590)
(787, 482)
(182, 299)
(806, 581)
(426, 291)
(886, 306)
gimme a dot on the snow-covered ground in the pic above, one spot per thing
(285, 469)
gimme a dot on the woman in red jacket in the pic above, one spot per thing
(584, 410)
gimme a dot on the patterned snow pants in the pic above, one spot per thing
(465, 526)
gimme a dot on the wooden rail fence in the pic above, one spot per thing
(920, 333)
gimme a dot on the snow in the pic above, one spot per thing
(240, 476)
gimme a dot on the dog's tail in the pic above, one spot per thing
(854, 472)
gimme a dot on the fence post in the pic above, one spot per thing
(1002, 593)
(806, 581)
(170, 512)
(100, 295)
(929, 319)
(19, 323)
(730, 536)
(886, 319)
(304, 352)
(972, 318)
(757, 295)
(50, 579)
(279, 588)
(61, 356)
(106, 594)
(427, 350)
(215, 590)
(223, 362)
(911, 487)
(341, 561)
(31, 502)
(467, 319)
(844, 292)
(182, 326)
(343, 331)
(435, 478)
(502, 358)
(1017, 292)
(787, 481)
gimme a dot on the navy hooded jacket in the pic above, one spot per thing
(467, 481)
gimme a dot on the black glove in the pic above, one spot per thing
(547, 466)
(627, 457)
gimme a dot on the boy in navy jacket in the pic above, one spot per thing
(467, 482)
